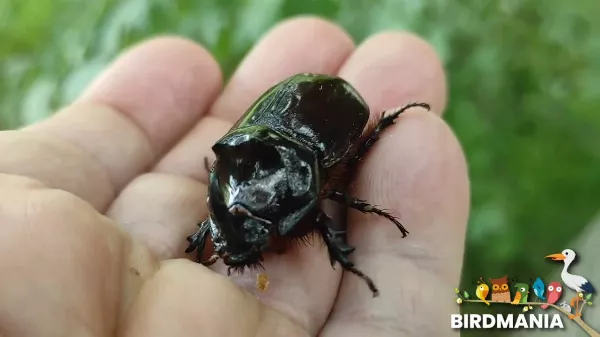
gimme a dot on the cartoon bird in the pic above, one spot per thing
(500, 291)
(482, 292)
(521, 294)
(554, 293)
(539, 288)
(575, 282)
(564, 306)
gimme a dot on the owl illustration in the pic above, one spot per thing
(500, 291)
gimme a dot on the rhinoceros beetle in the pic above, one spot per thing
(297, 145)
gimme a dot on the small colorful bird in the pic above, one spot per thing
(539, 289)
(482, 292)
(554, 293)
(521, 294)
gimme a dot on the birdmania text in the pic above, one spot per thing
(510, 321)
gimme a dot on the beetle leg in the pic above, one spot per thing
(384, 122)
(198, 240)
(365, 207)
(339, 249)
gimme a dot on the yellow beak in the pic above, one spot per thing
(557, 257)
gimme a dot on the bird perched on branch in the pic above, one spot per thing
(539, 289)
(521, 294)
(554, 293)
(482, 292)
(500, 290)
(578, 283)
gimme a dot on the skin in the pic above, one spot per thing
(97, 200)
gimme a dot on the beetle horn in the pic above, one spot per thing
(238, 209)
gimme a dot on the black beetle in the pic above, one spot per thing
(295, 146)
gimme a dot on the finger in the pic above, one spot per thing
(163, 86)
(138, 108)
(66, 270)
(184, 298)
(294, 275)
(418, 171)
(392, 69)
(297, 45)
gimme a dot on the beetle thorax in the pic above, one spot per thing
(254, 186)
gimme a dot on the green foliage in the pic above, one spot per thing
(524, 79)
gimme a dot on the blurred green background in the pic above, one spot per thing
(524, 79)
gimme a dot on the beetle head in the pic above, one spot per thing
(257, 181)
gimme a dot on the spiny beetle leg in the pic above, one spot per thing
(339, 249)
(384, 122)
(365, 207)
(198, 239)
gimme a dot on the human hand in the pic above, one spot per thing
(97, 201)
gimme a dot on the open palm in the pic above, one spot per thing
(97, 201)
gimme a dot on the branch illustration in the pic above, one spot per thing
(576, 319)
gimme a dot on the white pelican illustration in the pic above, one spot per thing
(578, 283)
